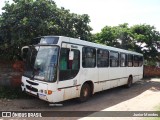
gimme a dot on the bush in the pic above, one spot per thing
(150, 63)
(12, 93)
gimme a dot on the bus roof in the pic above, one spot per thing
(77, 41)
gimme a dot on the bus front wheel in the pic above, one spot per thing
(85, 93)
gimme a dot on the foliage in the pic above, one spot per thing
(24, 20)
(7, 92)
(116, 36)
(147, 40)
(150, 63)
(141, 38)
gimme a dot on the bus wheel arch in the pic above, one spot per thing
(86, 91)
(130, 81)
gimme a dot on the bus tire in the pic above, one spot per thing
(129, 83)
(85, 93)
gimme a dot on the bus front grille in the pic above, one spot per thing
(31, 88)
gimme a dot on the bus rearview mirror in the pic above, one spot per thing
(24, 51)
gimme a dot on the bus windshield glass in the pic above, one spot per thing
(41, 63)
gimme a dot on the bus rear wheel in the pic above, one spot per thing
(85, 93)
(129, 83)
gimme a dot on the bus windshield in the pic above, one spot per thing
(41, 63)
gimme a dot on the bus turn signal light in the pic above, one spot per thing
(49, 92)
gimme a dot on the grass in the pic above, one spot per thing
(12, 93)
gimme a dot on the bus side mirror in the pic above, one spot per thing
(24, 52)
(71, 55)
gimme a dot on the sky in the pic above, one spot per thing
(113, 12)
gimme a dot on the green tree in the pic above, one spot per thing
(24, 20)
(140, 38)
(107, 36)
(124, 37)
(146, 40)
(116, 36)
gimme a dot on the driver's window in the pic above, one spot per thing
(68, 69)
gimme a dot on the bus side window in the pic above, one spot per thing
(126, 61)
(136, 61)
(76, 60)
(68, 69)
(88, 57)
(130, 60)
(102, 58)
(123, 58)
(140, 60)
(64, 58)
(114, 59)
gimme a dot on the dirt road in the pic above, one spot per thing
(142, 96)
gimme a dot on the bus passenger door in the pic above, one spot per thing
(69, 66)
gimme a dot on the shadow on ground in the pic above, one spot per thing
(99, 101)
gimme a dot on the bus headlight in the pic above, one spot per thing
(45, 91)
(48, 92)
(41, 91)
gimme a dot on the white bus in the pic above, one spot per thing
(60, 68)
